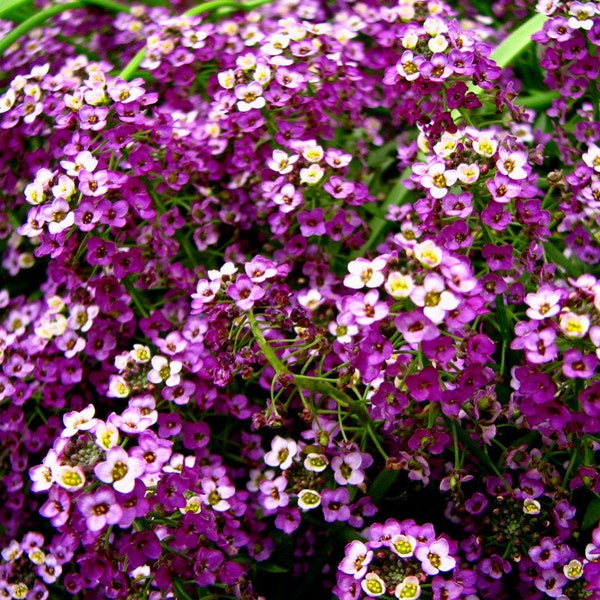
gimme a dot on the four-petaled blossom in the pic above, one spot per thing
(367, 308)
(75, 421)
(282, 453)
(119, 469)
(165, 370)
(216, 493)
(282, 163)
(347, 469)
(512, 164)
(435, 177)
(100, 508)
(543, 304)
(435, 556)
(363, 272)
(356, 560)
(249, 96)
(434, 298)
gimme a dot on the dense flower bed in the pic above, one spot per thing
(300, 299)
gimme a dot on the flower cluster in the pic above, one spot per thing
(270, 269)
(397, 559)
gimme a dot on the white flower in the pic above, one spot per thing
(373, 585)
(573, 325)
(282, 454)
(399, 285)
(592, 157)
(308, 499)
(165, 371)
(428, 253)
(281, 162)
(69, 478)
(312, 174)
(75, 421)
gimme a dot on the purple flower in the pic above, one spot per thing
(551, 582)
(274, 495)
(142, 546)
(288, 520)
(367, 308)
(425, 385)
(415, 327)
(205, 566)
(356, 560)
(578, 365)
(312, 222)
(347, 469)
(335, 504)
(57, 507)
(100, 509)
(100, 252)
(545, 554)
(92, 117)
(245, 292)
(495, 566)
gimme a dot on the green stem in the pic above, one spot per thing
(457, 461)
(304, 381)
(12, 5)
(131, 67)
(375, 441)
(206, 6)
(396, 197)
(266, 349)
(34, 21)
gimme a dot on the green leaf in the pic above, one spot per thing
(271, 568)
(556, 256)
(179, 590)
(382, 484)
(517, 41)
(397, 196)
(592, 514)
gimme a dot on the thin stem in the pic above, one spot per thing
(266, 349)
(131, 67)
(206, 6)
(39, 18)
(375, 441)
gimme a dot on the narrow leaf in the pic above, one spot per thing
(592, 514)
(517, 41)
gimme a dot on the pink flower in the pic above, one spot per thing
(434, 177)
(120, 469)
(356, 560)
(543, 304)
(435, 557)
(512, 164)
(100, 509)
(367, 308)
(347, 469)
